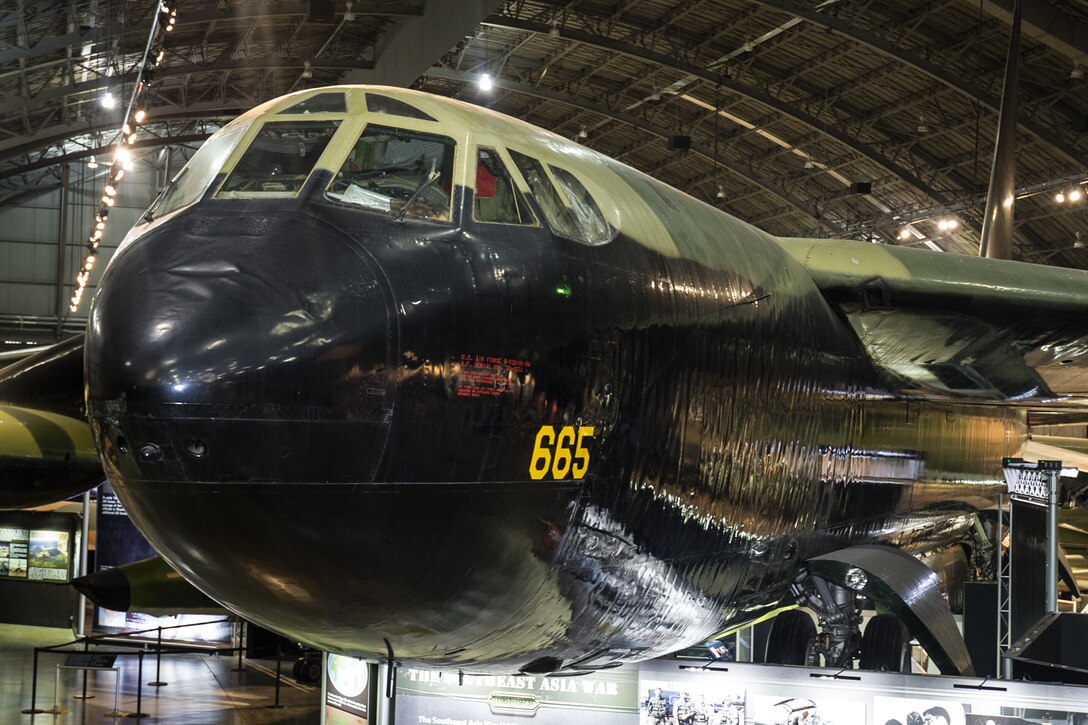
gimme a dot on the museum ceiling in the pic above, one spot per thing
(792, 110)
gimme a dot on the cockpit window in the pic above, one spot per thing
(570, 211)
(320, 103)
(279, 159)
(595, 228)
(403, 173)
(558, 215)
(496, 201)
(194, 177)
(394, 107)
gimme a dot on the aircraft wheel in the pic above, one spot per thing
(296, 670)
(312, 671)
(791, 637)
(885, 645)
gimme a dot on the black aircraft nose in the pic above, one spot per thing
(241, 348)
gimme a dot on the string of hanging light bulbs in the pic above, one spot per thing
(135, 116)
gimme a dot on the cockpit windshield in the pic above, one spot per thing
(191, 182)
(404, 173)
(279, 159)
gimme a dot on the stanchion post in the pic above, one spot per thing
(279, 662)
(241, 636)
(158, 662)
(139, 688)
(56, 693)
(33, 709)
(84, 696)
(116, 694)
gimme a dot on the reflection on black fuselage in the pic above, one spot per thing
(325, 419)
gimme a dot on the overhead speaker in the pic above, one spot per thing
(321, 11)
(679, 143)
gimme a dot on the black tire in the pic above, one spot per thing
(296, 670)
(885, 645)
(312, 671)
(791, 636)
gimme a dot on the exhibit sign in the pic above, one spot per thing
(41, 555)
(348, 691)
(434, 697)
(118, 542)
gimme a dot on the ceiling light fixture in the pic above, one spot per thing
(108, 100)
(485, 82)
(809, 164)
(554, 32)
(721, 192)
(307, 71)
(1077, 73)
(349, 15)
(922, 127)
(583, 133)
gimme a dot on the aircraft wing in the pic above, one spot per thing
(46, 449)
(947, 326)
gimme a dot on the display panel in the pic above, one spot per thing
(347, 690)
(43, 555)
(672, 692)
(807, 696)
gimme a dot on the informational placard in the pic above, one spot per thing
(487, 375)
(433, 697)
(118, 542)
(50, 556)
(14, 547)
(348, 690)
(41, 555)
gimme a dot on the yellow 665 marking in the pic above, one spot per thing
(560, 455)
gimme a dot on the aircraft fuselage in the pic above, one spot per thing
(489, 445)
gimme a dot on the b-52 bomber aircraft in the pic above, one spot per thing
(398, 376)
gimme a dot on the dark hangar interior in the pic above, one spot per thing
(872, 121)
(875, 121)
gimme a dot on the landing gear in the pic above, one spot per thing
(885, 646)
(839, 611)
(835, 585)
(792, 640)
(307, 668)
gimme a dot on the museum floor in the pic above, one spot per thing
(201, 689)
